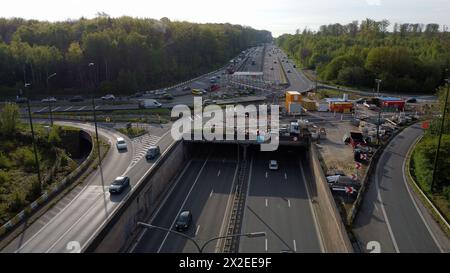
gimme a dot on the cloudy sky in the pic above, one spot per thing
(277, 16)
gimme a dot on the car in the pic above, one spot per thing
(271, 68)
(121, 143)
(214, 87)
(208, 102)
(149, 104)
(138, 94)
(119, 184)
(360, 100)
(197, 92)
(108, 97)
(184, 220)
(212, 80)
(152, 152)
(294, 66)
(49, 99)
(167, 96)
(273, 165)
(370, 105)
(187, 88)
(76, 99)
(411, 100)
(288, 71)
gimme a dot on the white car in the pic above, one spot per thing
(273, 165)
(108, 97)
(370, 106)
(49, 99)
(121, 144)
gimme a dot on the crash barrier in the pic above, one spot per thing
(50, 193)
(120, 230)
(332, 229)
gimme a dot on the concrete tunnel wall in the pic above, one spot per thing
(332, 229)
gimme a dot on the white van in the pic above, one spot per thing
(149, 103)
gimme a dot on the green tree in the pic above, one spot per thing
(9, 119)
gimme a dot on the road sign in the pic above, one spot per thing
(349, 190)
(363, 156)
(425, 124)
(358, 165)
(354, 176)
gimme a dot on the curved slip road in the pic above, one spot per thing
(77, 216)
(391, 213)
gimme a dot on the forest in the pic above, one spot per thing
(129, 54)
(409, 58)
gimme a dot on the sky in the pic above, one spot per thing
(277, 16)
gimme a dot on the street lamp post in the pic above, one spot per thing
(91, 66)
(378, 81)
(197, 245)
(38, 169)
(436, 157)
(49, 102)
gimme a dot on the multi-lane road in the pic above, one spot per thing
(277, 203)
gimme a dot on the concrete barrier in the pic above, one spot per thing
(121, 228)
(332, 229)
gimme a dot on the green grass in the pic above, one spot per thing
(133, 132)
(18, 176)
(330, 93)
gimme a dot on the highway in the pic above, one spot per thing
(204, 188)
(79, 214)
(391, 213)
(278, 203)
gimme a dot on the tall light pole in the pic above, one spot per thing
(436, 157)
(197, 245)
(38, 169)
(91, 66)
(49, 102)
(378, 81)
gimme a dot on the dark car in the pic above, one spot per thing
(183, 221)
(21, 99)
(186, 88)
(76, 99)
(411, 100)
(121, 183)
(152, 152)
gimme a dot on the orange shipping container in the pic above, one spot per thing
(292, 96)
(341, 107)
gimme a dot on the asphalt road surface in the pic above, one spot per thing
(77, 216)
(391, 214)
(203, 188)
(278, 203)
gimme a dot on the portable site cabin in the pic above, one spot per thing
(391, 104)
(292, 97)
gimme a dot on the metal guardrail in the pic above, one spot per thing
(231, 244)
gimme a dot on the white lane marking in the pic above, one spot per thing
(196, 231)
(42, 109)
(417, 208)
(218, 173)
(68, 108)
(211, 193)
(285, 175)
(266, 244)
(295, 246)
(266, 174)
(318, 232)
(380, 200)
(81, 108)
(182, 205)
(54, 109)
(159, 208)
(96, 107)
(289, 203)
(267, 202)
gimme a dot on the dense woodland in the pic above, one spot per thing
(129, 54)
(409, 58)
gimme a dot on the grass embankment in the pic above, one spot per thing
(330, 93)
(421, 165)
(19, 185)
